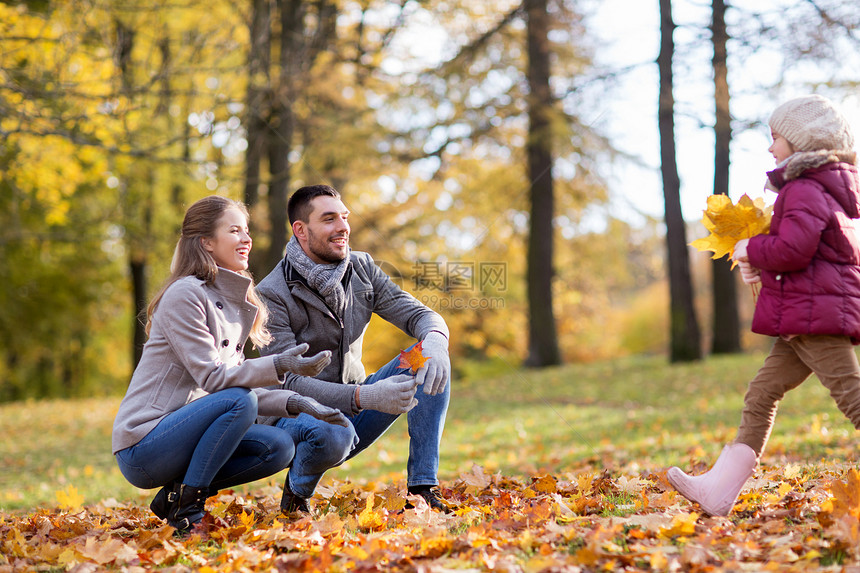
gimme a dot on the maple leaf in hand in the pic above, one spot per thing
(412, 359)
(729, 223)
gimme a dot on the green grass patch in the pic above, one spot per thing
(622, 415)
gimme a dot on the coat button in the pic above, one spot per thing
(225, 343)
(779, 277)
(219, 305)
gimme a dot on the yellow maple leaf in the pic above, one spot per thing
(683, 524)
(791, 471)
(584, 483)
(370, 519)
(728, 223)
(247, 519)
(846, 496)
(69, 498)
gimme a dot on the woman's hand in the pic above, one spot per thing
(293, 361)
(298, 404)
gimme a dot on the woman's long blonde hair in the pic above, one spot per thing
(191, 259)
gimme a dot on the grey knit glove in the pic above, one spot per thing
(436, 371)
(392, 395)
(298, 404)
(293, 361)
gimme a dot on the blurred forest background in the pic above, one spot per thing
(461, 134)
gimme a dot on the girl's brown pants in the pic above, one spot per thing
(790, 362)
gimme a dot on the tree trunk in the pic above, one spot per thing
(256, 114)
(281, 126)
(279, 145)
(543, 339)
(685, 336)
(138, 212)
(726, 326)
(137, 266)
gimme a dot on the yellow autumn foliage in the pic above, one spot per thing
(371, 519)
(69, 498)
(728, 223)
(846, 497)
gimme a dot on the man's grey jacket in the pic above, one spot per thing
(298, 314)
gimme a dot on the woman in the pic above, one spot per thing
(187, 420)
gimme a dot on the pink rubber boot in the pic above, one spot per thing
(717, 489)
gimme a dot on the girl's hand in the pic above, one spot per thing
(749, 274)
(740, 251)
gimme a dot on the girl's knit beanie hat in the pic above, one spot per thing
(812, 123)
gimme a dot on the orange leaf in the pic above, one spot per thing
(544, 484)
(413, 358)
(847, 496)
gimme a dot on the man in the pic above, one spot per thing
(323, 294)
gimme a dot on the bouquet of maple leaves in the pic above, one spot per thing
(728, 223)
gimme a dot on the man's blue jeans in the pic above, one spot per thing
(211, 442)
(321, 446)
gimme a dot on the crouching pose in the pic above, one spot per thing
(809, 269)
(187, 421)
(323, 295)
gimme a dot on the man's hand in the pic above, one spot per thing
(293, 361)
(435, 372)
(392, 395)
(298, 404)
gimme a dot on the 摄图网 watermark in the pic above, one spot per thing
(460, 285)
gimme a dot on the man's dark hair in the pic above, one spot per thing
(299, 205)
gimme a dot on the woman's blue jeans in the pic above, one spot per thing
(321, 446)
(211, 442)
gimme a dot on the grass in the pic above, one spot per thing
(619, 415)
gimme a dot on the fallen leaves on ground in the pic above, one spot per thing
(589, 521)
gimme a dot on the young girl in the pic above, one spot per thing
(809, 269)
(187, 420)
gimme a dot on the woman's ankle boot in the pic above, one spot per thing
(188, 508)
(163, 500)
(717, 489)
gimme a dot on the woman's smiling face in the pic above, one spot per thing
(231, 243)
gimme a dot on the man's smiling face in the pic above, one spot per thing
(326, 233)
